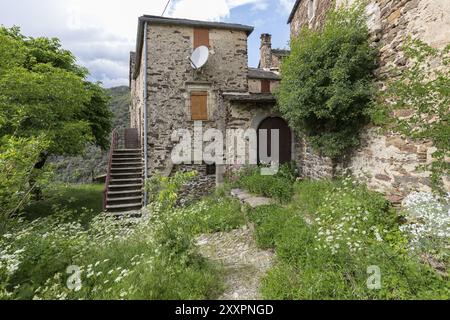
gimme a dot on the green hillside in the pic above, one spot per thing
(83, 169)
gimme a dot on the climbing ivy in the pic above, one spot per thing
(416, 102)
(326, 89)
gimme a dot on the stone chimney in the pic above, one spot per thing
(266, 51)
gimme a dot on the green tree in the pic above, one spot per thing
(326, 88)
(47, 104)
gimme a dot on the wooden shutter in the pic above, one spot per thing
(199, 105)
(201, 37)
(265, 86)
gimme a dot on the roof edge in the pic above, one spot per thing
(294, 9)
(176, 21)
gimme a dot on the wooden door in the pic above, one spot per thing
(285, 135)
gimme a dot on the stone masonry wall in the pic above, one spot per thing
(171, 79)
(389, 162)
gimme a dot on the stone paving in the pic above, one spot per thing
(244, 263)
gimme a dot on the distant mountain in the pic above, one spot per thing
(93, 162)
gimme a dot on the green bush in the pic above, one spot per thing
(277, 186)
(326, 90)
(270, 223)
(214, 214)
(152, 258)
(349, 230)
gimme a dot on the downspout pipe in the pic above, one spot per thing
(145, 53)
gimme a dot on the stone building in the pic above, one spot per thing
(386, 162)
(167, 94)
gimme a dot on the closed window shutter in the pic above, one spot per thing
(265, 86)
(199, 105)
(201, 37)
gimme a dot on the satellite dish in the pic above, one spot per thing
(199, 57)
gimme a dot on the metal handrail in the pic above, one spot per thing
(108, 174)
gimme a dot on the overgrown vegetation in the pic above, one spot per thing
(47, 107)
(416, 103)
(326, 89)
(332, 238)
(154, 257)
(94, 160)
(279, 186)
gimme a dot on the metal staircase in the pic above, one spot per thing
(124, 181)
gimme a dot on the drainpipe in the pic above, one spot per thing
(145, 113)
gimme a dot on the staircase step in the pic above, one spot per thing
(130, 164)
(124, 194)
(125, 181)
(127, 169)
(124, 206)
(128, 154)
(121, 186)
(122, 160)
(124, 199)
(128, 150)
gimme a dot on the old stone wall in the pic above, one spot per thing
(389, 162)
(171, 80)
(254, 85)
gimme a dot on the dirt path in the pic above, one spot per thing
(244, 263)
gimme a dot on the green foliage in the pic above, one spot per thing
(93, 162)
(213, 214)
(44, 92)
(152, 258)
(17, 159)
(279, 186)
(326, 89)
(46, 108)
(421, 90)
(69, 196)
(311, 266)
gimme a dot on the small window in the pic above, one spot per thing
(199, 105)
(210, 169)
(201, 37)
(265, 86)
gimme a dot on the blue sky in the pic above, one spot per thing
(102, 32)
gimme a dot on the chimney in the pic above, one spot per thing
(266, 51)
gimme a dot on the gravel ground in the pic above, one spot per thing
(243, 262)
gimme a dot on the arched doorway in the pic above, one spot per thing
(285, 137)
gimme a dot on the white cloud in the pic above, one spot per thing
(102, 32)
(211, 10)
(287, 5)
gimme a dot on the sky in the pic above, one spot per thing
(101, 33)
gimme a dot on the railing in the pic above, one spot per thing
(114, 146)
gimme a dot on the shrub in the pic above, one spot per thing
(151, 258)
(349, 229)
(326, 89)
(278, 186)
(270, 222)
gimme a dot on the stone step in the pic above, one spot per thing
(127, 156)
(125, 199)
(124, 160)
(128, 150)
(124, 194)
(127, 169)
(127, 164)
(130, 175)
(132, 186)
(125, 181)
(124, 207)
